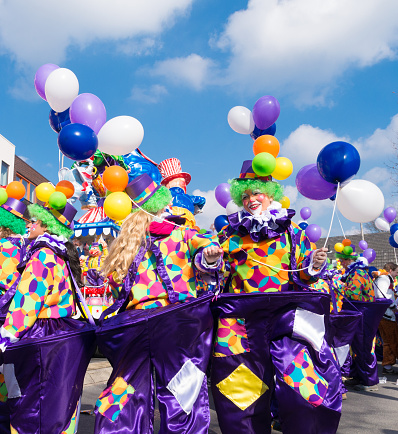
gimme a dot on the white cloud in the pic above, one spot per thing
(211, 210)
(301, 47)
(150, 95)
(291, 192)
(192, 70)
(25, 159)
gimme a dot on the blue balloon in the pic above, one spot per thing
(269, 131)
(139, 164)
(303, 225)
(392, 242)
(220, 222)
(77, 142)
(338, 161)
(393, 228)
(58, 120)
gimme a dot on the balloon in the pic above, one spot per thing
(313, 233)
(311, 184)
(57, 200)
(305, 213)
(16, 190)
(257, 132)
(77, 142)
(347, 250)
(266, 111)
(268, 144)
(303, 225)
(61, 88)
(339, 247)
(382, 224)
(360, 201)
(232, 208)
(283, 168)
(89, 110)
(117, 206)
(223, 196)
(65, 187)
(220, 222)
(363, 245)
(338, 161)
(285, 202)
(240, 119)
(58, 120)
(346, 242)
(44, 191)
(393, 228)
(3, 196)
(389, 214)
(395, 236)
(264, 164)
(369, 254)
(120, 135)
(115, 178)
(41, 77)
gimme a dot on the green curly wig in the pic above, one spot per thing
(12, 222)
(53, 225)
(354, 257)
(159, 200)
(271, 188)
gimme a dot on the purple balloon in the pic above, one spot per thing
(311, 184)
(313, 233)
(265, 111)
(369, 254)
(305, 213)
(363, 245)
(41, 77)
(389, 214)
(223, 196)
(87, 109)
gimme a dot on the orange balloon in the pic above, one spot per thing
(346, 242)
(115, 178)
(16, 190)
(65, 187)
(266, 143)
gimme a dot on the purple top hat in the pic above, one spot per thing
(64, 215)
(247, 172)
(141, 189)
(14, 206)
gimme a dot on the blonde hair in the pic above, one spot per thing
(125, 247)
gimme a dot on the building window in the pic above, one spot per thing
(4, 173)
(30, 188)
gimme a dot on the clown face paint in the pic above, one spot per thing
(255, 202)
(35, 229)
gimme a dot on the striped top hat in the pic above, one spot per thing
(171, 169)
(141, 189)
(64, 215)
(247, 172)
(14, 206)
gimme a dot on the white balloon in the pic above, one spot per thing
(120, 135)
(61, 88)
(382, 224)
(360, 201)
(240, 119)
(396, 236)
(232, 208)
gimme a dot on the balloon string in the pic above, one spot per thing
(59, 159)
(334, 211)
(103, 156)
(395, 254)
(270, 266)
(342, 230)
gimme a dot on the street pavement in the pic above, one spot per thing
(363, 412)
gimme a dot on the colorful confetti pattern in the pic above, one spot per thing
(231, 337)
(9, 259)
(359, 286)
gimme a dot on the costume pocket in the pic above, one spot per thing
(112, 400)
(231, 338)
(302, 377)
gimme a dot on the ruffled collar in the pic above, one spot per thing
(269, 224)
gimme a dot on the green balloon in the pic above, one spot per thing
(348, 250)
(264, 164)
(3, 196)
(57, 200)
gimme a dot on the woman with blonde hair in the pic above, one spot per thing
(161, 325)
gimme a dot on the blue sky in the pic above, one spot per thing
(179, 66)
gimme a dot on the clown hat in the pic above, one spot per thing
(171, 169)
(247, 172)
(11, 216)
(340, 255)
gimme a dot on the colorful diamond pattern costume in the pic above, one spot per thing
(9, 259)
(231, 337)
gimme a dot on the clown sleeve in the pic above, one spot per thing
(9, 260)
(359, 286)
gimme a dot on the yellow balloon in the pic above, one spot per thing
(44, 191)
(117, 206)
(283, 168)
(339, 247)
(285, 202)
